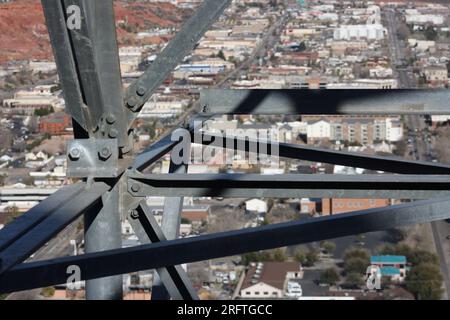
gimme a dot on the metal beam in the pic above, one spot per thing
(20, 226)
(65, 61)
(164, 145)
(210, 246)
(153, 153)
(174, 278)
(28, 243)
(348, 101)
(97, 61)
(290, 185)
(177, 49)
(102, 232)
(308, 153)
(170, 225)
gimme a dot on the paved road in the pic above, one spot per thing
(421, 146)
(440, 229)
(397, 50)
(270, 39)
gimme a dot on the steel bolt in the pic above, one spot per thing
(105, 153)
(75, 153)
(110, 119)
(135, 187)
(134, 213)
(113, 133)
(132, 102)
(140, 91)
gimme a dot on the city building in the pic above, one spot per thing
(339, 205)
(55, 124)
(436, 76)
(269, 279)
(256, 206)
(393, 267)
(370, 32)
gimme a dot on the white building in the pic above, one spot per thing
(256, 205)
(435, 119)
(269, 280)
(394, 130)
(318, 130)
(421, 45)
(162, 109)
(42, 66)
(362, 31)
(380, 72)
(424, 19)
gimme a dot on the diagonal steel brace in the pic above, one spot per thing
(147, 230)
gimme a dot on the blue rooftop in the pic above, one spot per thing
(388, 259)
(389, 271)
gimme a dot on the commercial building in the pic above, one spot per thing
(370, 32)
(269, 279)
(339, 205)
(393, 267)
(55, 124)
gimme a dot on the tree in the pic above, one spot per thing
(424, 281)
(422, 256)
(307, 259)
(48, 292)
(353, 280)
(302, 46)
(415, 257)
(327, 246)
(396, 235)
(221, 55)
(355, 265)
(185, 220)
(430, 33)
(356, 253)
(43, 112)
(312, 257)
(249, 257)
(330, 276)
(263, 256)
(279, 256)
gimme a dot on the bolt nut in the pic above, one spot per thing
(113, 133)
(134, 213)
(110, 119)
(105, 153)
(135, 187)
(140, 91)
(132, 102)
(75, 153)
